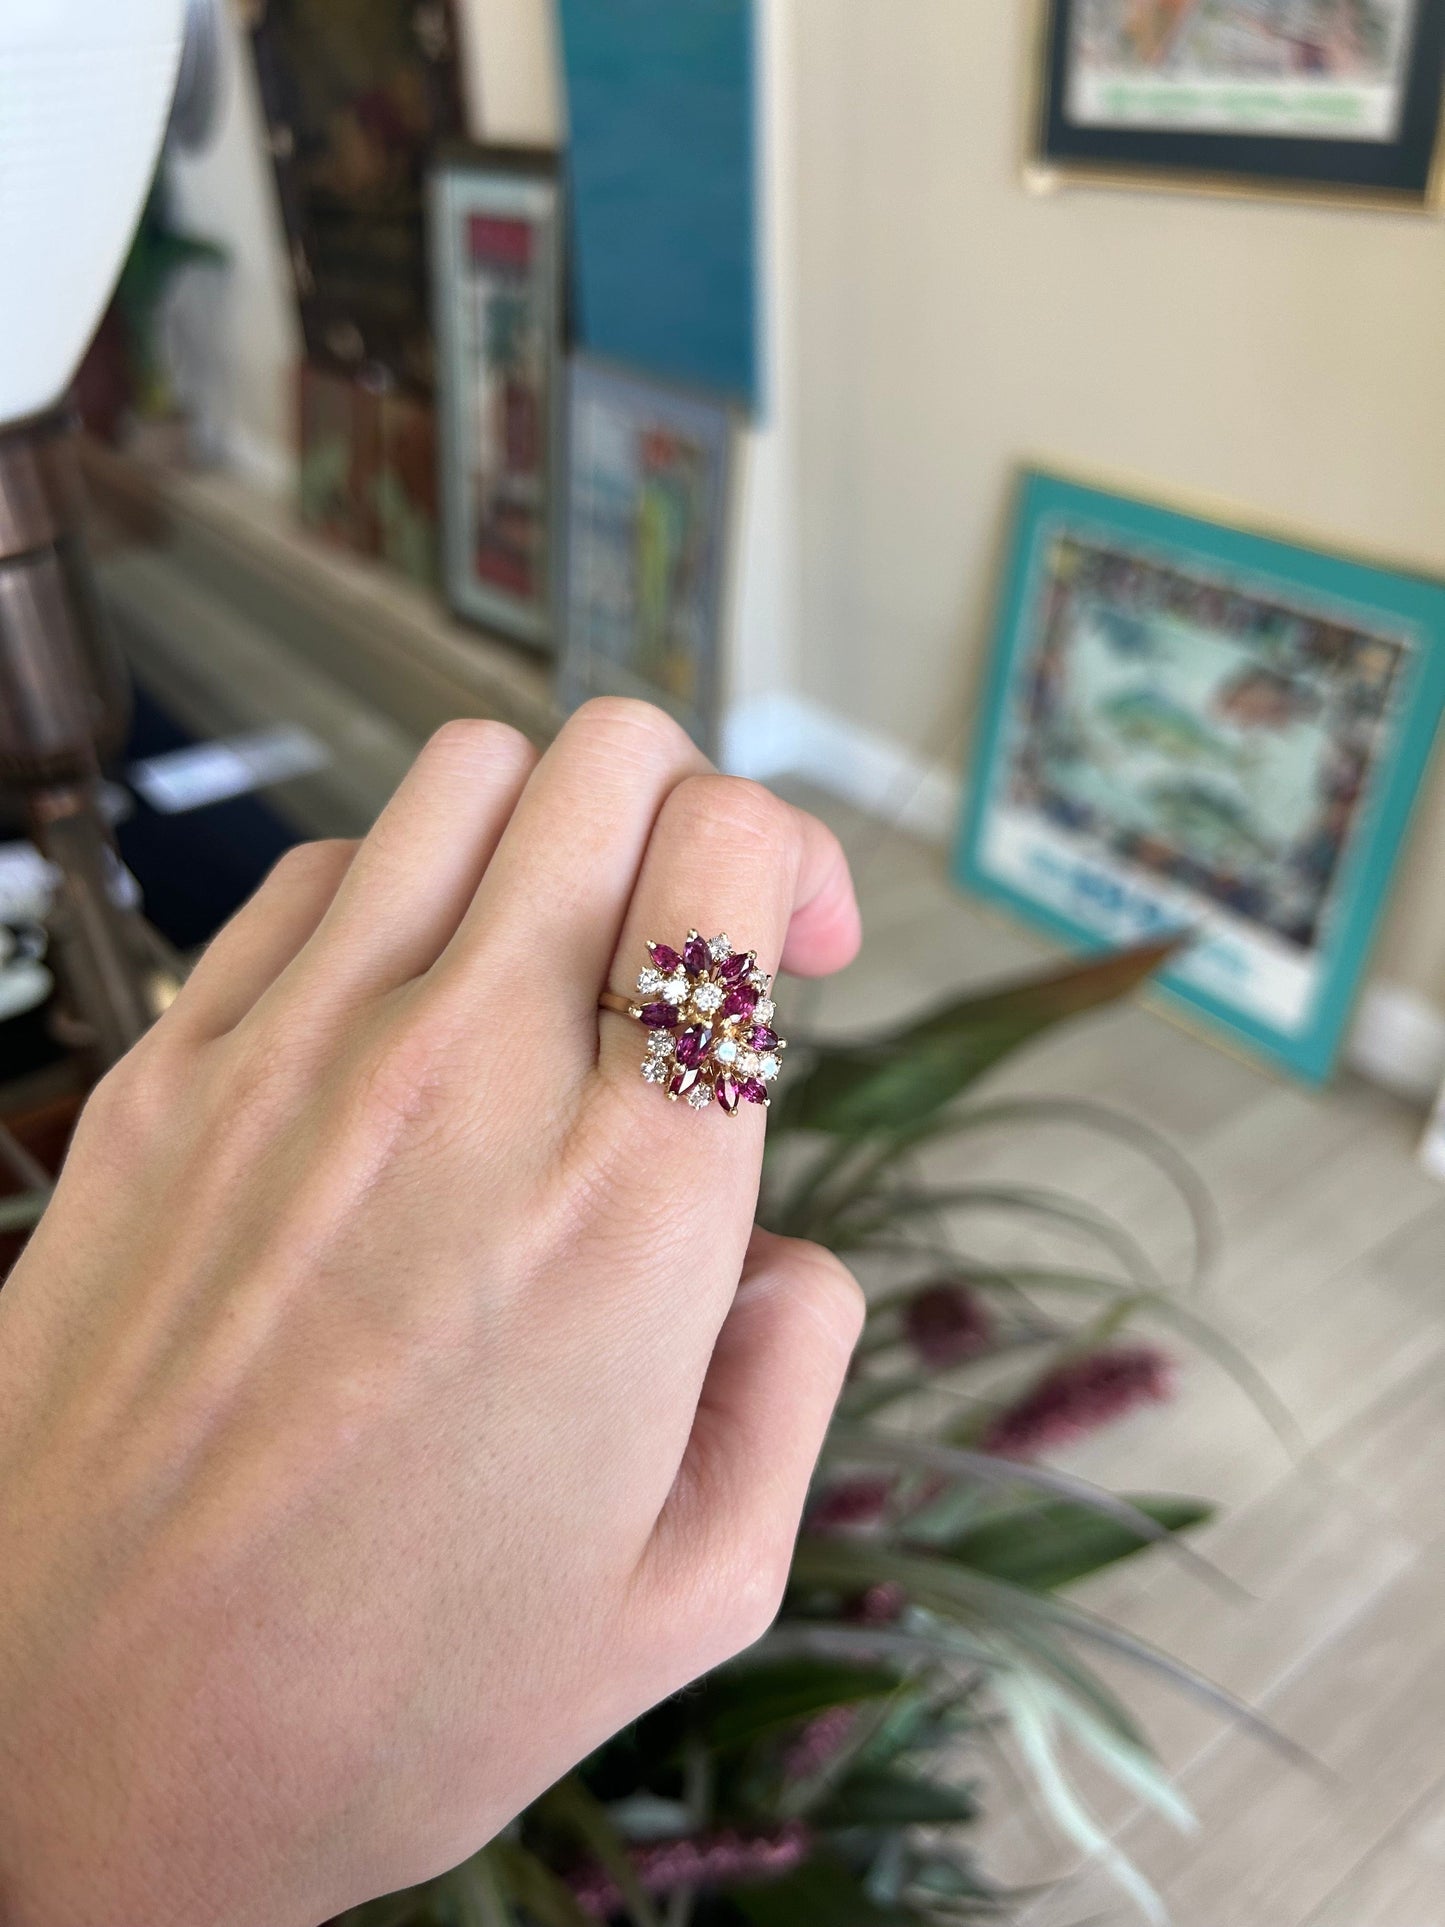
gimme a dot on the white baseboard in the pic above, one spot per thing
(1398, 1036)
(1398, 1040)
(786, 735)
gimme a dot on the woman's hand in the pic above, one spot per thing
(396, 1398)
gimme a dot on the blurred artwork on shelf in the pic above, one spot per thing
(367, 469)
(1195, 727)
(404, 488)
(339, 449)
(650, 476)
(1338, 97)
(357, 94)
(497, 253)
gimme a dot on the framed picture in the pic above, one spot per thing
(356, 94)
(1202, 728)
(649, 485)
(339, 454)
(497, 255)
(1311, 97)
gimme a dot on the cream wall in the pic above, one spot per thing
(948, 323)
(929, 322)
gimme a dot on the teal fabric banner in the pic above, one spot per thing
(660, 109)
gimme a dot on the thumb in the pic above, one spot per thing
(777, 1369)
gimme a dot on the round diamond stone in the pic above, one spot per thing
(763, 1010)
(676, 990)
(660, 1044)
(748, 1061)
(768, 1068)
(649, 982)
(654, 1069)
(758, 979)
(707, 997)
(726, 1052)
(720, 947)
(700, 1096)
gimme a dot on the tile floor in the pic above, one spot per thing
(1332, 1282)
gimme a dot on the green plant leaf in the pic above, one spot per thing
(894, 1082)
(822, 1893)
(22, 1210)
(896, 1207)
(1089, 1114)
(869, 1798)
(997, 1606)
(409, 1908)
(535, 1888)
(1028, 1717)
(476, 1893)
(1048, 1544)
(571, 1806)
(755, 1697)
(864, 1445)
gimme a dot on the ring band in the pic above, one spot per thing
(708, 1014)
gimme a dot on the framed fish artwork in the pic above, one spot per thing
(1199, 726)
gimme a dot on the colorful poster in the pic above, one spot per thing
(1333, 68)
(1199, 730)
(497, 249)
(649, 473)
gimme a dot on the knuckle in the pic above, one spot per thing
(625, 725)
(400, 1079)
(477, 742)
(733, 810)
(829, 1291)
(313, 862)
(755, 1589)
(130, 1105)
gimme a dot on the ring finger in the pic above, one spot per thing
(725, 856)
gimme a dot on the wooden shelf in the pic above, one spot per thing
(372, 634)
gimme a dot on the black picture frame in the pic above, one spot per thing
(351, 140)
(1401, 171)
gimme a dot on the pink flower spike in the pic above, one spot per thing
(1081, 1397)
(946, 1323)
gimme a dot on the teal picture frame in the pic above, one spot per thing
(1110, 801)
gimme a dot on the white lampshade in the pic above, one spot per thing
(85, 86)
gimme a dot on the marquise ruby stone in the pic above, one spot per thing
(665, 958)
(658, 1016)
(696, 956)
(739, 1001)
(692, 1045)
(762, 1037)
